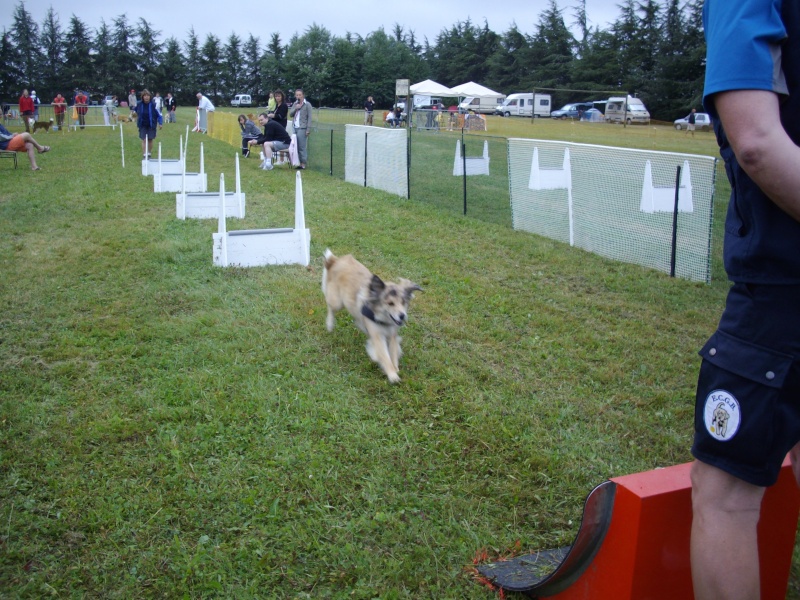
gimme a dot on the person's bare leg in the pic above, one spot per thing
(794, 456)
(31, 150)
(28, 139)
(724, 541)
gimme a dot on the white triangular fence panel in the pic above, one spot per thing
(475, 165)
(183, 181)
(154, 166)
(205, 205)
(550, 178)
(260, 247)
(662, 198)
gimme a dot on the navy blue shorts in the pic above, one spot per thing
(144, 132)
(747, 409)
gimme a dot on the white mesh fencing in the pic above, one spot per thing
(615, 202)
(386, 154)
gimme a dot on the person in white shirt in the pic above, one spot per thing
(205, 104)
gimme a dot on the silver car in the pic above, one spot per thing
(702, 121)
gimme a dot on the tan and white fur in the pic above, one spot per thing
(378, 308)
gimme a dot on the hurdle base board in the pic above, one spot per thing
(173, 166)
(261, 247)
(645, 553)
(205, 205)
(171, 182)
(475, 166)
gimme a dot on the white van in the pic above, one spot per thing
(242, 100)
(630, 110)
(525, 105)
(481, 104)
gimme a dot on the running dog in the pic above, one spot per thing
(378, 308)
(41, 125)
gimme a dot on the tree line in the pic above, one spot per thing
(654, 49)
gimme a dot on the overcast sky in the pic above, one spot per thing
(425, 17)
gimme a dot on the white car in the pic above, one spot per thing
(702, 121)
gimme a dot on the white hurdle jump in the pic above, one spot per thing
(551, 178)
(206, 205)
(476, 165)
(259, 247)
(154, 166)
(183, 181)
(662, 198)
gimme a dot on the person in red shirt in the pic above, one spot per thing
(82, 107)
(59, 108)
(26, 108)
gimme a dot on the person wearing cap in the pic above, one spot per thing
(36, 103)
(132, 102)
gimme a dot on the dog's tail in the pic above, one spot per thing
(329, 259)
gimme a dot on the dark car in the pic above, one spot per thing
(572, 111)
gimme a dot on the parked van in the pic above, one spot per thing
(525, 105)
(481, 104)
(618, 110)
(242, 100)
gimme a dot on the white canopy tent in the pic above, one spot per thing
(474, 89)
(431, 88)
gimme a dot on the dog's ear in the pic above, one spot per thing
(376, 286)
(409, 287)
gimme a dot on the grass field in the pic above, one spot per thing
(171, 429)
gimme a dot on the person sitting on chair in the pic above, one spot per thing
(18, 142)
(274, 139)
(250, 131)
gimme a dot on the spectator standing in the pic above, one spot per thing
(690, 121)
(301, 114)
(36, 103)
(82, 107)
(747, 406)
(159, 102)
(132, 102)
(59, 108)
(26, 108)
(203, 103)
(271, 104)
(281, 110)
(369, 107)
(147, 119)
(171, 106)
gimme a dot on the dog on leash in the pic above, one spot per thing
(41, 125)
(378, 308)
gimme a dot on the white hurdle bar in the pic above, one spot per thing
(205, 205)
(174, 182)
(657, 198)
(551, 178)
(260, 247)
(476, 165)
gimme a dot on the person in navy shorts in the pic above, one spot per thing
(747, 409)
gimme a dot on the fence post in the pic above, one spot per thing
(331, 152)
(675, 222)
(408, 165)
(464, 169)
(365, 159)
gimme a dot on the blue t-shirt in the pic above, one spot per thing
(754, 45)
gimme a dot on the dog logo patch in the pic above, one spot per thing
(722, 415)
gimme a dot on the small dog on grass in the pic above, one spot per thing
(124, 119)
(378, 308)
(41, 125)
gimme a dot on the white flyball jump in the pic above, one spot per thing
(155, 166)
(662, 198)
(182, 181)
(475, 165)
(206, 205)
(260, 247)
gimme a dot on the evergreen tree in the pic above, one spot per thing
(191, 82)
(307, 61)
(52, 41)
(25, 37)
(148, 52)
(233, 67)
(103, 59)
(273, 71)
(211, 68)
(10, 75)
(124, 62)
(348, 65)
(78, 67)
(508, 64)
(173, 70)
(251, 68)
(551, 53)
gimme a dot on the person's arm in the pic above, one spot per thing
(761, 145)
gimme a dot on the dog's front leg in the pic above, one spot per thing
(379, 352)
(394, 349)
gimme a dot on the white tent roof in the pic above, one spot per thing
(475, 89)
(430, 88)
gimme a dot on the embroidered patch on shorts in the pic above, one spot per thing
(722, 415)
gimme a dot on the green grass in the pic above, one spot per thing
(171, 429)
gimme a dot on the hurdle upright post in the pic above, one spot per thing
(121, 144)
(300, 218)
